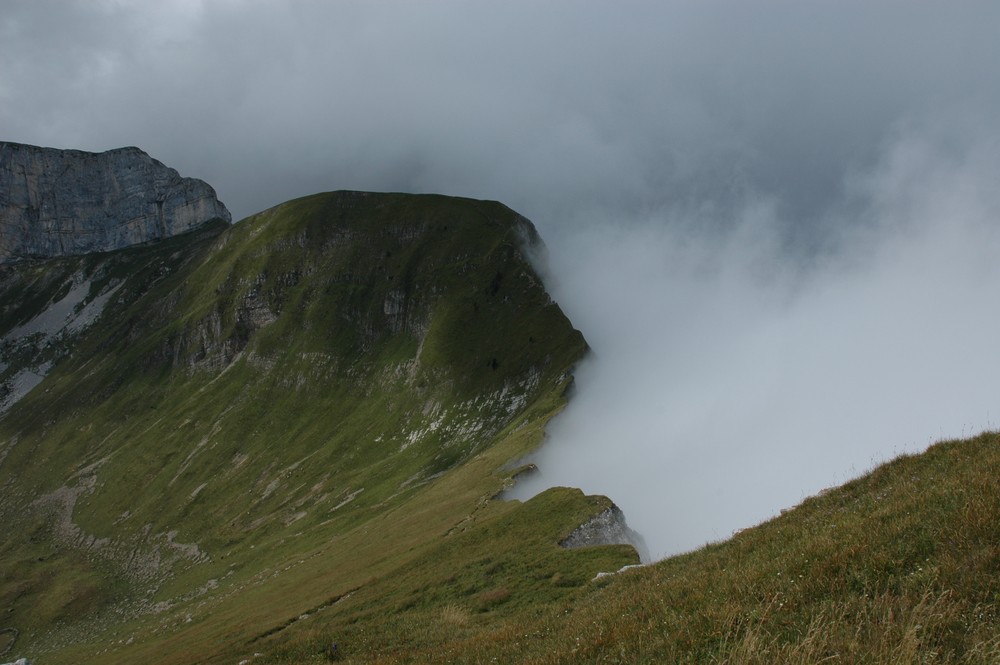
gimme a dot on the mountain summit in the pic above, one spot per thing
(210, 434)
(69, 202)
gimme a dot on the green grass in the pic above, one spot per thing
(328, 397)
(322, 392)
(900, 566)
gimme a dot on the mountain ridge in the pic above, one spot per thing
(57, 202)
(253, 393)
(288, 441)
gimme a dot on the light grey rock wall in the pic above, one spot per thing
(607, 528)
(66, 202)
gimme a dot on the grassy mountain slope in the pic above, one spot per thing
(321, 400)
(899, 566)
(291, 432)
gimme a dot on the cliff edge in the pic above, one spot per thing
(67, 202)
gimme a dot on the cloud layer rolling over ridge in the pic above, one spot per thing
(775, 222)
(729, 381)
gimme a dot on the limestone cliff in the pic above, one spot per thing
(66, 202)
(607, 528)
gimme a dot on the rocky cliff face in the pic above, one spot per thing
(68, 202)
(607, 528)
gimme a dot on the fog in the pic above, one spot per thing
(775, 222)
(729, 381)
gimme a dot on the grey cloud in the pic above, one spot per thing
(631, 105)
(729, 382)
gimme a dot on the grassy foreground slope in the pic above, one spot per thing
(279, 424)
(899, 566)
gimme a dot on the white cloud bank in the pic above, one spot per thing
(729, 381)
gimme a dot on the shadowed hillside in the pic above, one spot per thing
(269, 416)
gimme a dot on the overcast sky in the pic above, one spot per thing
(775, 222)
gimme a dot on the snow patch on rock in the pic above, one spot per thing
(29, 350)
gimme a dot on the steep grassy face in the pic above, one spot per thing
(47, 306)
(270, 416)
(899, 566)
(52, 315)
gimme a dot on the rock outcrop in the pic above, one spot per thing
(67, 202)
(607, 528)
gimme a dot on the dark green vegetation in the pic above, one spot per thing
(291, 432)
(899, 566)
(319, 401)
